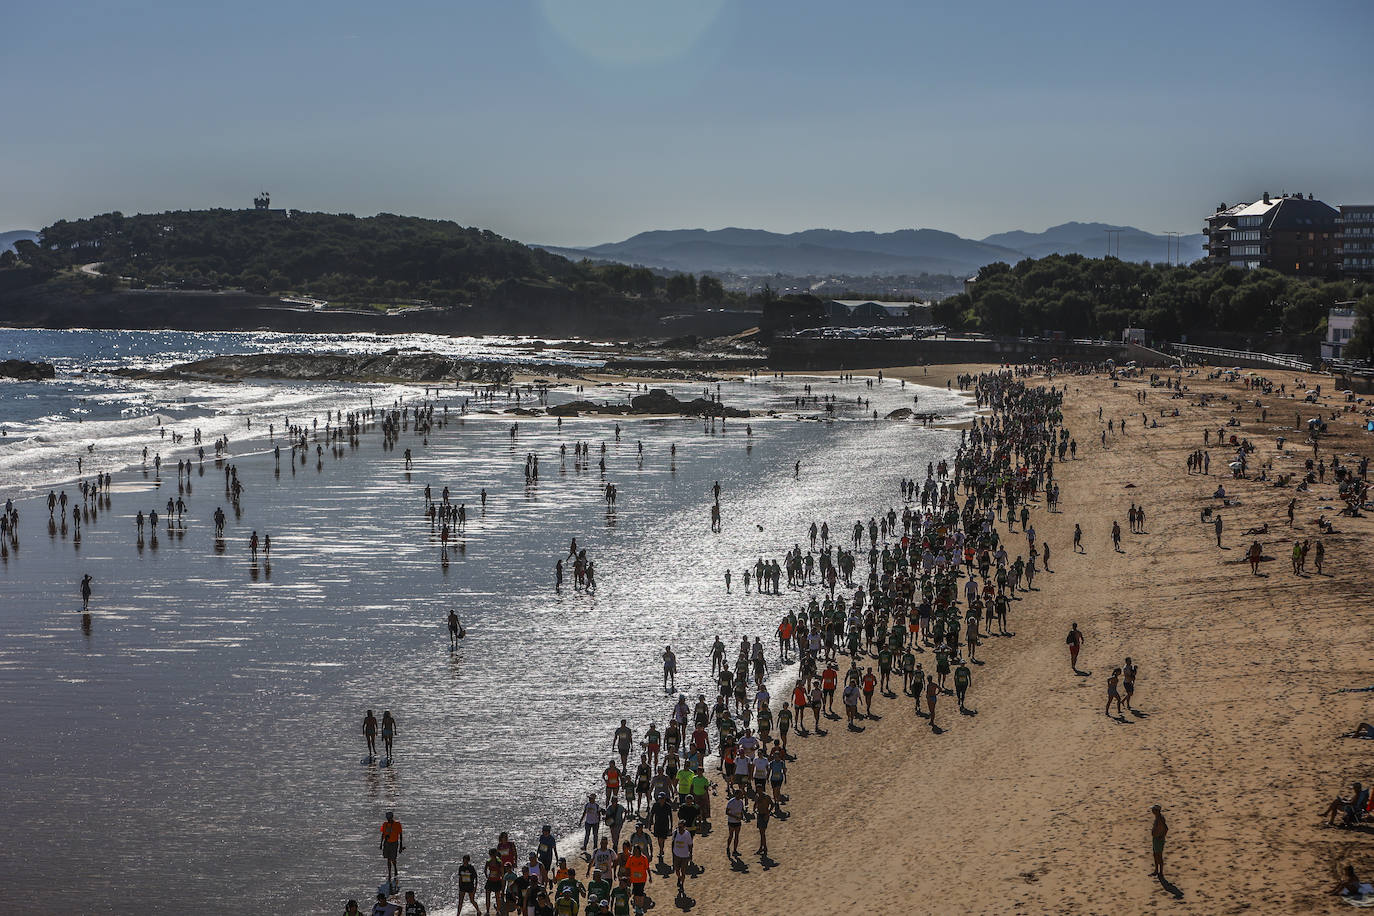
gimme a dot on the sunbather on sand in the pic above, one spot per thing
(1350, 810)
(1349, 885)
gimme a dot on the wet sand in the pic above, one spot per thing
(1039, 803)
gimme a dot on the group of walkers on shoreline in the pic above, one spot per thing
(940, 574)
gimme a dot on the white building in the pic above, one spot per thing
(1340, 327)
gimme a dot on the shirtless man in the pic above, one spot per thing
(1158, 831)
(1128, 676)
(370, 733)
(455, 629)
(388, 730)
(669, 668)
(1075, 643)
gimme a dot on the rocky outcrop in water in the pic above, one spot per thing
(660, 401)
(392, 366)
(576, 408)
(26, 371)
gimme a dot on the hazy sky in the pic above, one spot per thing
(584, 121)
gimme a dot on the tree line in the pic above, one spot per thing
(1100, 297)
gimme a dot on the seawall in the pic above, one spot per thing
(864, 353)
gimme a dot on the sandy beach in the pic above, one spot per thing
(1039, 803)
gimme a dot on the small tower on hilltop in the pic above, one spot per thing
(263, 201)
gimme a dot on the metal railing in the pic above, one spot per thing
(1286, 362)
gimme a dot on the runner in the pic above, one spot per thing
(683, 840)
(467, 885)
(734, 819)
(962, 676)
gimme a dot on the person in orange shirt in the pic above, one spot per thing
(784, 637)
(829, 678)
(638, 866)
(391, 845)
(799, 703)
(611, 777)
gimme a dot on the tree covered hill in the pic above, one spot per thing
(226, 269)
(332, 255)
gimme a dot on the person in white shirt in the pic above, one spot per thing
(734, 818)
(682, 854)
(591, 822)
(382, 908)
(744, 765)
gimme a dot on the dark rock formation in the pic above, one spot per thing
(391, 366)
(26, 371)
(660, 401)
(572, 409)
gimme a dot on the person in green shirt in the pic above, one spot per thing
(620, 899)
(572, 887)
(599, 887)
(684, 782)
(941, 665)
(784, 724)
(701, 791)
(885, 668)
(908, 666)
(962, 676)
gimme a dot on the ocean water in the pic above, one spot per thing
(45, 426)
(195, 744)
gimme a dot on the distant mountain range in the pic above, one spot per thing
(7, 239)
(832, 251)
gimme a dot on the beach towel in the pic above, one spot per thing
(1365, 898)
